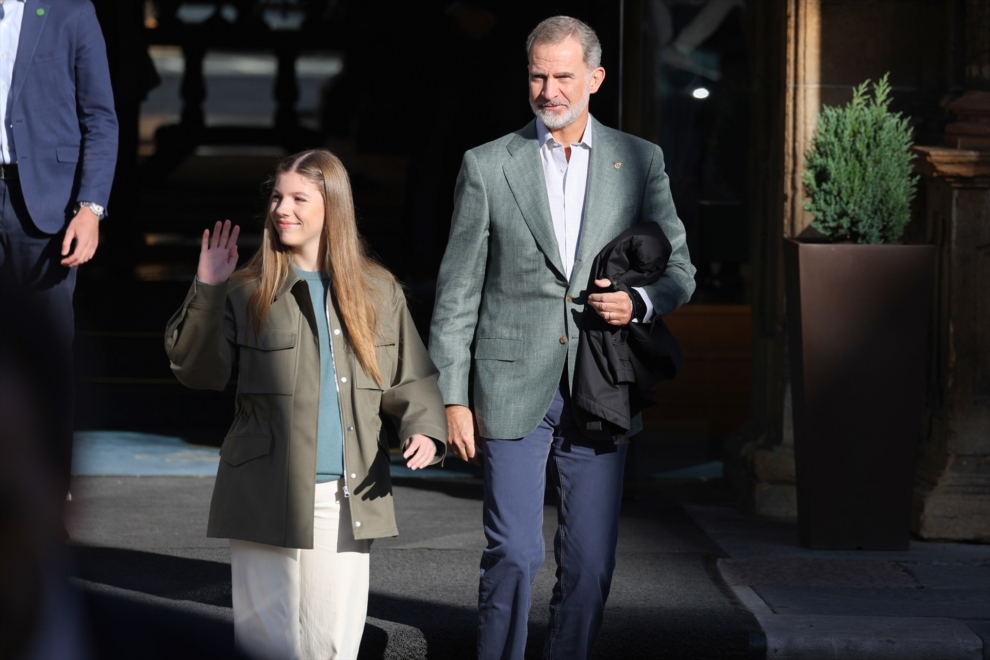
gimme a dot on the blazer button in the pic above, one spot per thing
(350, 428)
(570, 299)
(563, 340)
(357, 523)
(343, 379)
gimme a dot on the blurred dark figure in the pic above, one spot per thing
(33, 483)
(43, 615)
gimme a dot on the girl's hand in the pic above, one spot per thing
(218, 257)
(418, 451)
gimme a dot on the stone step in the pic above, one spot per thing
(811, 637)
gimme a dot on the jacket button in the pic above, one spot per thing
(336, 331)
(563, 340)
(353, 476)
(350, 428)
(570, 299)
(343, 379)
(357, 523)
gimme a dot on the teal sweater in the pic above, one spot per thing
(330, 431)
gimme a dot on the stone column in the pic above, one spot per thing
(952, 490)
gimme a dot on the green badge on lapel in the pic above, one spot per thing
(41, 12)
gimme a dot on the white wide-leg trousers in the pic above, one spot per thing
(303, 604)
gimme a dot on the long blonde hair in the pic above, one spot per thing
(358, 282)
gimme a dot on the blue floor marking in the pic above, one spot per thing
(130, 454)
(710, 470)
(459, 470)
(124, 453)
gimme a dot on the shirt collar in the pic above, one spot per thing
(543, 134)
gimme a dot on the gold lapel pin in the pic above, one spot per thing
(618, 166)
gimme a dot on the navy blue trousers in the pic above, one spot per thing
(30, 266)
(587, 476)
(30, 262)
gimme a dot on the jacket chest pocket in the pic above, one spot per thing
(384, 353)
(267, 362)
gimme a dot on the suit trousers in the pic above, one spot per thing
(587, 476)
(30, 261)
(291, 603)
(30, 266)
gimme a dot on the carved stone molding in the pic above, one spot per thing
(962, 166)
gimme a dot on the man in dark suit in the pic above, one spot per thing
(532, 210)
(58, 148)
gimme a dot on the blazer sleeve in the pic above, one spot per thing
(676, 285)
(412, 399)
(199, 338)
(95, 109)
(459, 284)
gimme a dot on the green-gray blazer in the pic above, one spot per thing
(506, 317)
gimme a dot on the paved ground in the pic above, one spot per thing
(695, 579)
(144, 537)
(929, 602)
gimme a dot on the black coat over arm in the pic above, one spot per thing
(618, 367)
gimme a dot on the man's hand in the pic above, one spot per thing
(418, 451)
(460, 434)
(616, 308)
(84, 229)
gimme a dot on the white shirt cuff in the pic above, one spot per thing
(649, 304)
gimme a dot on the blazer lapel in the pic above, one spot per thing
(601, 198)
(524, 175)
(32, 24)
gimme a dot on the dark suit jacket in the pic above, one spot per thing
(61, 109)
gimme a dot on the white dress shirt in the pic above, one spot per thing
(567, 183)
(10, 36)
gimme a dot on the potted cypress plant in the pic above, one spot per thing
(857, 312)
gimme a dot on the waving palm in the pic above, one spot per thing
(218, 256)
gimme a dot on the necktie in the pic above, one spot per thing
(1, 11)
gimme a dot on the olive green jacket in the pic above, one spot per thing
(266, 479)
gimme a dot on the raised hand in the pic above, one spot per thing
(218, 256)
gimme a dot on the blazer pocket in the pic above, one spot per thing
(239, 449)
(495, 348)
(267, 362)
(67, 153)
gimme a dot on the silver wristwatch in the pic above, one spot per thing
(92, 206)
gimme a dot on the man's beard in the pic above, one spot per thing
(554, 120)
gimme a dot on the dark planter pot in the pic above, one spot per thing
(857, 328)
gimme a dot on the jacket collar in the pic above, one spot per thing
(524, 174)
(32, 23)
(290, 281)
(602, 198)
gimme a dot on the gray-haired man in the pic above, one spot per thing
(532, 210)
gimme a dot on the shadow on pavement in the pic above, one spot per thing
(467, 489)
(175, 578)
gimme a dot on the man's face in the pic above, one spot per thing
(560, 84)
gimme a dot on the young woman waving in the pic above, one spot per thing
(326, 350)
